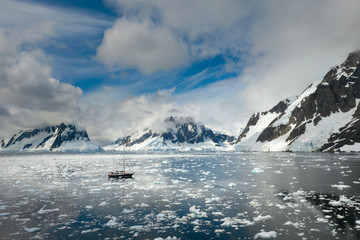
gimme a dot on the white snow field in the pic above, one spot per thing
(180, 196)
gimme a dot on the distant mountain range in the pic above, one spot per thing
(177, 133)
(66, 137)
(325, 117)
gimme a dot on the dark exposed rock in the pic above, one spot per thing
(347, 135)
(71, 134)
(224, 138)
(296, 132)
(27, 146)
(65, 132)
(336, 93)
(143, 138)
(44, 141)
(317, 120)
(179, 130)
(123, 141)
(325, 99)
(252, 122)
(273, 132)
(278, 108)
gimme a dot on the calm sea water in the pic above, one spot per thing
(180, 196)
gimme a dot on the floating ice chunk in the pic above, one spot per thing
(212, 199)
(282, 207)
(219, 230)
(294, 224)
(232, 185)
(196, 222)
(43, 210)
(257, 170)
(62, 216)
(143, 205)
(299, 193)
(322, 220)
(340, 186)
(89, 207)
(230, 221)
(127, 211)
(205, 172)
(217, 214)
(103, 203)
(137, 227)
(111, 223)
(254, 203)
(175, 181)
(168, 238)
(164, 215)
(3, 207)
(5, 214)
(90, 230)
(261, 218)
(194, 212)
(357, 224)
(287, 198)
(342, 201)
(32, 230)
(271, 234)
(227, 222)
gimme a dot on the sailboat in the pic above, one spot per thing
(120, 174)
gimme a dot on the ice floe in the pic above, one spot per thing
(32, 230)
(270, 234)
(182, 195)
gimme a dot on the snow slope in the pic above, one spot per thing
(178, 133)
(325, 117)
(66, 137)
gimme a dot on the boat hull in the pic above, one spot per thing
(120, 175)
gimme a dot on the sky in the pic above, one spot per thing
(119, 66)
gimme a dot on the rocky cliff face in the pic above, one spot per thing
(177, 132)
(63, 137)
(325, 117)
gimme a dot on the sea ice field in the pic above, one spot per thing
(180, 196)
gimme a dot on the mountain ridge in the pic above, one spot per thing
(65, 137)
(179, 133)
(325, 117)
(328, 108)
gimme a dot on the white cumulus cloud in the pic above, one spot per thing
(141, 45)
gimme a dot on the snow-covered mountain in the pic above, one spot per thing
(66, 137)
(325, 117)
(177, 133)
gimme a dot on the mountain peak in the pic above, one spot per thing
(353, 58)
(325, 117)
(176, 133)
(66, 136)
(179, 119)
